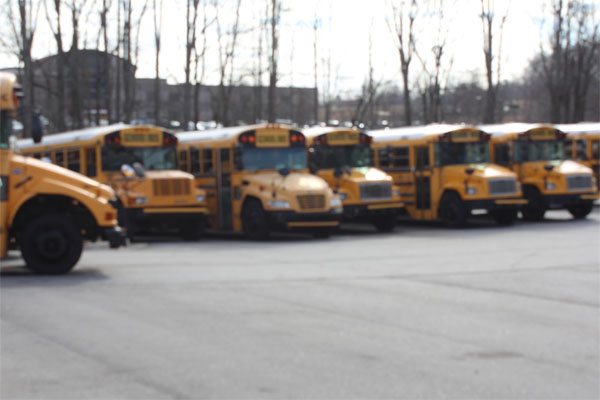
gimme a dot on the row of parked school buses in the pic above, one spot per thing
(256, 179)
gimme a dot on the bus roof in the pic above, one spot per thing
(415, 132)
(221, 134)
(511, 127)
(320, 130)
(74, 136)
(581, 128)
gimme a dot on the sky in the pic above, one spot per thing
(345, 29)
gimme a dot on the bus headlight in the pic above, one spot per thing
(550, 186)
(200, 198)
(278, 204)
(141, 200)
(343, 196)
(335, 202)
(471, 191)
(396, 193)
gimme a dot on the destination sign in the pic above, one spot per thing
(140, 138)
(542, 133)
(465, 136)
(347, 137)
(272, 138)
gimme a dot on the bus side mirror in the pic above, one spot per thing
(548, 167)
(36, 129)
(139, 169)
(127, 171)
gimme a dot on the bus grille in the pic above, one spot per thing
(171, 187)
(502, 186)
(579, 182)
(375, 191)
(311, 201)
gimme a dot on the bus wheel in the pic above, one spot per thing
(504, 217)
(452, 211)
(580, 211)
(51, 244)
(385, 222)
(535, 208)
(254, 221)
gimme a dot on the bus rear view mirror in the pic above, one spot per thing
(139, 169)
(127, 171)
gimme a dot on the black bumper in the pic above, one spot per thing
(362, 212)
(494, 204)
(291, 220)
(114, 236)
(558, 201)
(139, 219)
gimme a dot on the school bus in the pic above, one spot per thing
(344, 159)
(583, 144)
(445, 172)
(257, 181)
(536, 153)
(140, 163)
(47, 211)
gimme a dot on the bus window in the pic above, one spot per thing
(73, 160)
(502, 152)
(581, 150)
(37, 155)
(422, 157)
(399, 157)
(194, 160)
(90, 161)
(569, 150)
(59, 158)
(183, 160)
(225, 157)
(207, 161)
(596, 149)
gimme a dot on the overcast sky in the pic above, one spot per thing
(345, 29)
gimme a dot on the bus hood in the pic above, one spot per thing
(570, 167)
(29, 166)
(168, 174)
(356, 175)
(481, 171)
(294, 182)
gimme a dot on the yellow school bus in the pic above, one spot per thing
(46, 211)
(536, 153)
(444, 172)
(583, 144)
(344, 159)
(257, 180)
(140, 163)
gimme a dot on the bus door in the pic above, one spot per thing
(224, 188)
(422, 186)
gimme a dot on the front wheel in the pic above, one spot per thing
(254, 221)
(452, 211)
(535, 208)
(51, 244)
(580, 211)
(385, 223)
(504, 217)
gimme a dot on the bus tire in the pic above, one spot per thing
(254, 221)
(452, 211)
(580, 211)
(51, 244)
(385, 222)
(504, 217)
(535, 208)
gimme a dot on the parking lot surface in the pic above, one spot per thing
(423, 312)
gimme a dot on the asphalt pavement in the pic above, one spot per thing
(422, 312)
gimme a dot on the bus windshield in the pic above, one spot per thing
(540, 150)
(464, 153)
(5, 128)
(151, 158)
(329, 157)
(254, 159)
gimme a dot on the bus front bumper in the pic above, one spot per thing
(496, 204)
(557, 201)
(291, 220)
(157, 217)
(366, 211)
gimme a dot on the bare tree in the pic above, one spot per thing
(58, 115)
(316, 24)
(157, 14)
(573, 59)
(404, 14)
(200, 59)
(489, 30)
(365, 107)
(190, 44)
(106, 5)
(227, 47)
(274, 17)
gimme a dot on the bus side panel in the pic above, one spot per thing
(4, 172)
